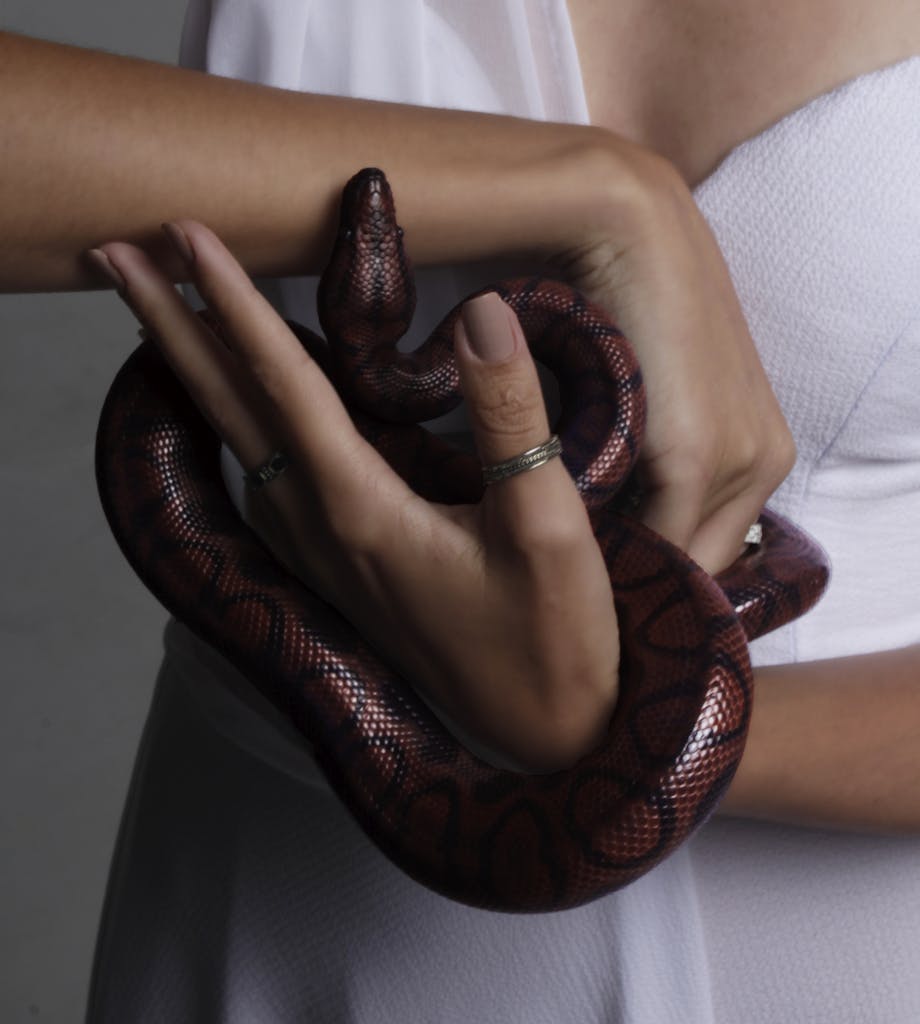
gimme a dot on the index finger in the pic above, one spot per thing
(210, 373)
(307, 411)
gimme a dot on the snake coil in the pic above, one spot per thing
(487, 837)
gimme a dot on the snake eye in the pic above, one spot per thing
(348, 234)
(399, 232)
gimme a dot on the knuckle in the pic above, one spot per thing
(781, 456)
(742, 456)
(350, 542)
(693, 467)
(271, 380)
(359, 512)
(276, 377)
(750, 462)
(762, 461)
(542, 541)
(349, 529)
(507, 408)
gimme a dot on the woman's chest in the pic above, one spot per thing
(694, 78)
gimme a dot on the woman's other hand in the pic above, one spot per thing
(502, 612)
(716, 445)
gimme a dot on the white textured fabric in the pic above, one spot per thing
(819, 218)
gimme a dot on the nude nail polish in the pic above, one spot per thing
(103, 263)
(180, 241)
(488, 328)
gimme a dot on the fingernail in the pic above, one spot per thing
(102, 261)
(488, 328)
(180, 240)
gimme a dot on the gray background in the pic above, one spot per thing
(80, 637)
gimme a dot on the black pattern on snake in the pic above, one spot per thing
(488, 837)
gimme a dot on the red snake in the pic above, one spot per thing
(485, 836)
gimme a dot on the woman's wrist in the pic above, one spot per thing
(547, 189)
(134, 143)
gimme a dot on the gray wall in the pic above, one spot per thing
(80, 637)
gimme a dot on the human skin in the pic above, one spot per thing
(809, 719)
(832, 743)
(602, 207)
(266, 249)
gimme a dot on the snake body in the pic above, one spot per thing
(488, 837)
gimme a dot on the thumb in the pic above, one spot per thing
(499, 380)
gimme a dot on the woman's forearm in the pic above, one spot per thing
(835, 743)
(96, 146)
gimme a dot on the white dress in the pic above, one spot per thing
(242, 891)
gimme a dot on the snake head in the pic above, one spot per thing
(368, 288)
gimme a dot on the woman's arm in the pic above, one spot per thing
(501, 613)
(101, 147)
(835, 743)
(831, 742)
(96, 146)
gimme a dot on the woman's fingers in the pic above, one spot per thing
(508, 416)
(547, 592)
(500, 612)
(257, 384)
(716, 443)
(309, 417)
(210, 373)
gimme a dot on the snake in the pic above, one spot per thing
(487, 836)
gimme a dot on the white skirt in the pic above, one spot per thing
(242, 892)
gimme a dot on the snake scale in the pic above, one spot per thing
(488, 837)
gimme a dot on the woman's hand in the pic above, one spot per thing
(615, 215)
(501, 613)
(716, 445)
